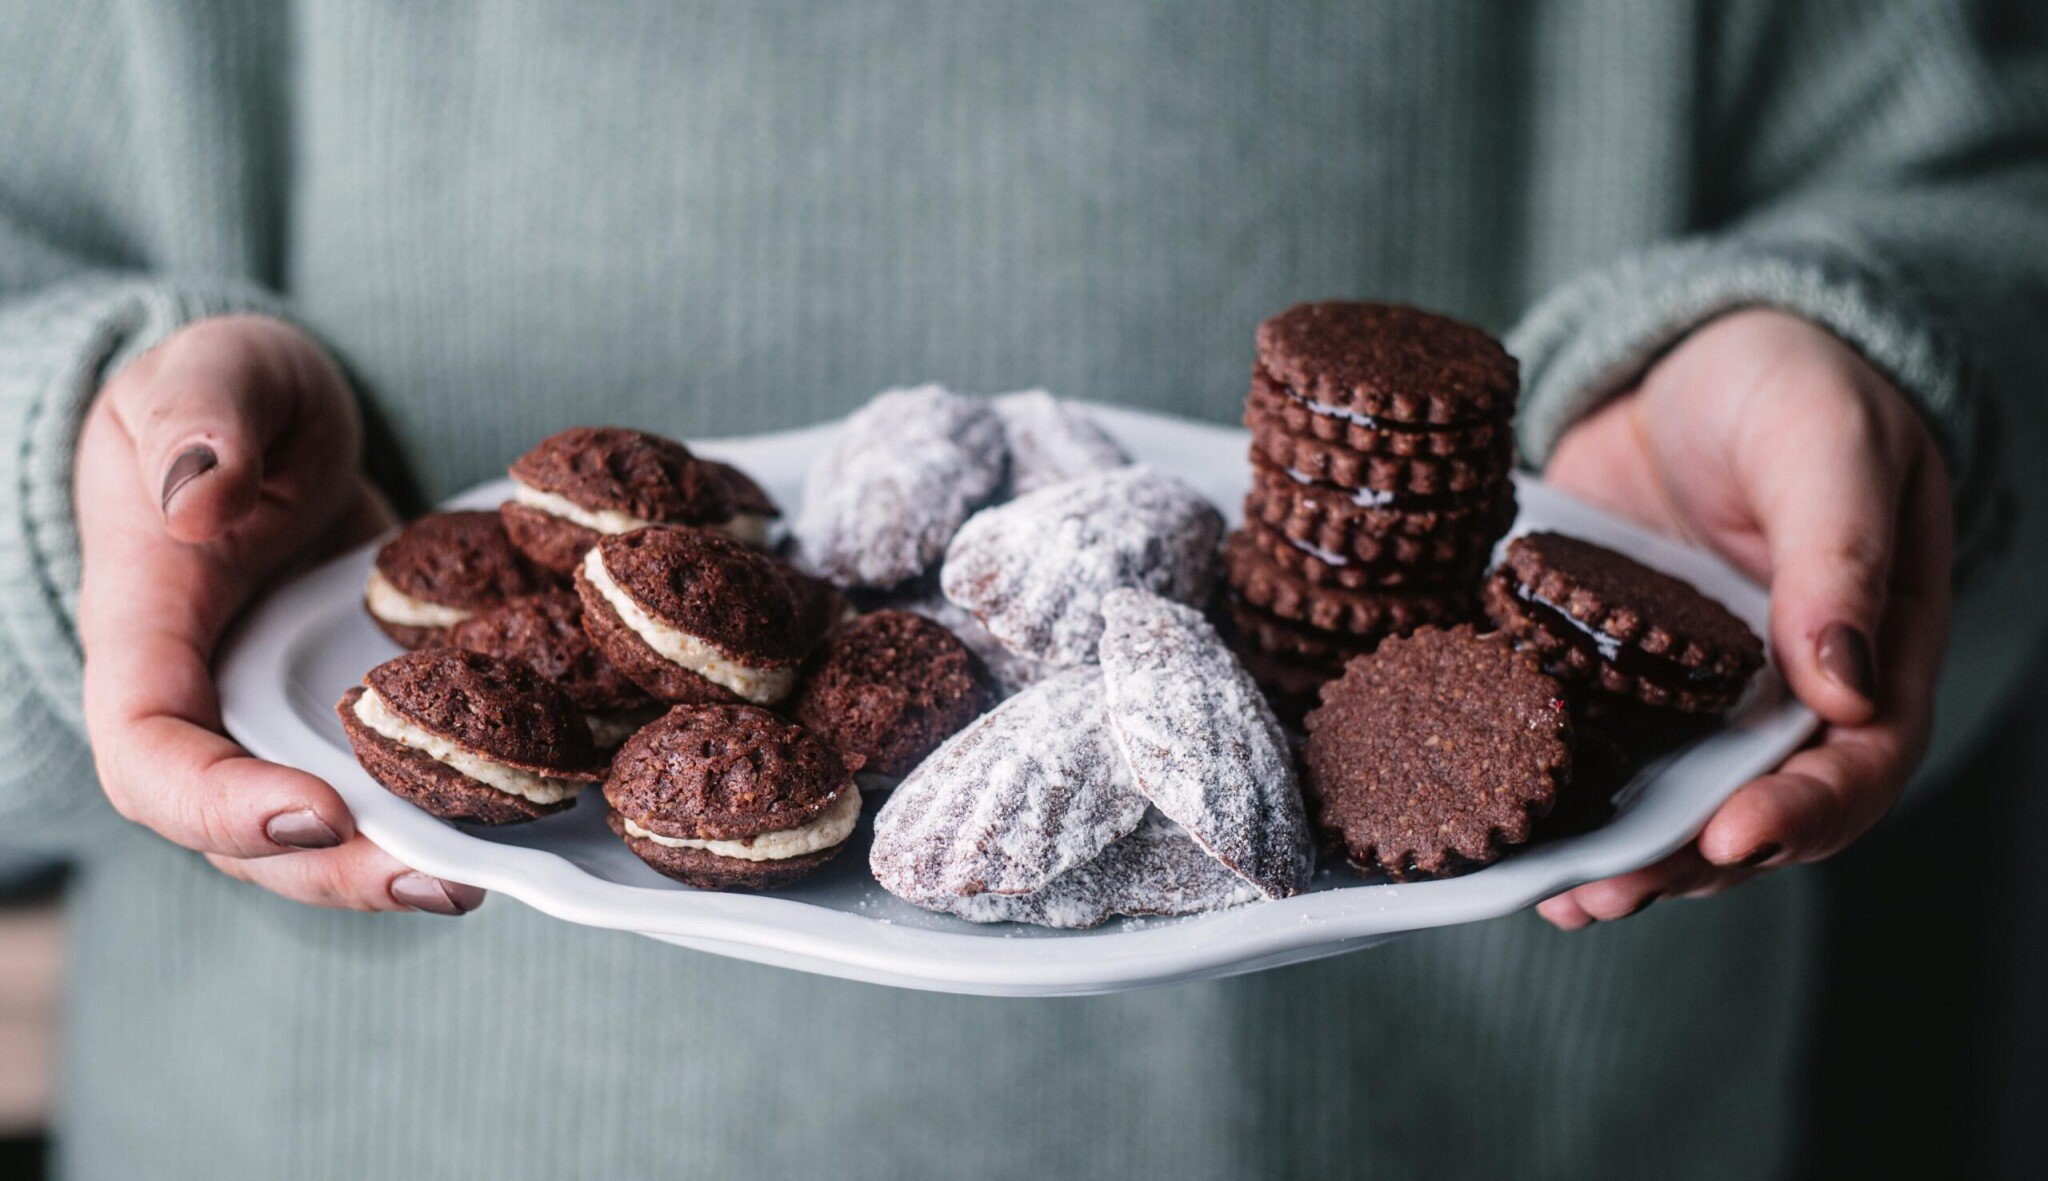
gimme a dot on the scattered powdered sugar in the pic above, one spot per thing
(1157, 870)
(1012, 672)
(1025, 793)
(882, 501)
(1034, 570)
(1201, 741)
(1052, 441)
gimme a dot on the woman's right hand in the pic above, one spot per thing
(205, 468)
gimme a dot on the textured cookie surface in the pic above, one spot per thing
(1436, 752)
(1051, 442)
(1034, 570)
(643, 475)
(709, 871)
(1025, 793)
(546, 633)
(711, 587)
(1271, 406)
(722, 773)
(884, 498)
(500, 709)
(1201, 742)
(458, 559)
(1457, 562)
(1354, 522)
(887, 688)
(1263, 583)
(1389, 361)
(430, 784)
(1158, 869)
(1009, 672)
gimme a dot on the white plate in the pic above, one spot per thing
(295, 654)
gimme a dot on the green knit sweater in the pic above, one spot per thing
(720, 217)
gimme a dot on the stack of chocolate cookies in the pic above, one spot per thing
(1381, 447)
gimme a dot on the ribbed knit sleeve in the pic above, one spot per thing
(57, 346)
(1878, 171)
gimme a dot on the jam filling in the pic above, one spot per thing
(1661, 671)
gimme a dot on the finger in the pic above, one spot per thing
(1615, 898)
(1819, 801)
(354, 876)
(1564, 913)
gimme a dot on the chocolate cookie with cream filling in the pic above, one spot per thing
(692, 616)
(546, 633)
(887, 688)
(470, 737)
(589, 482)
(730, 798)
(440, 570)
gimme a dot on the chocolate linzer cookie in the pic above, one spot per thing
(1435, 753)
(730, 798)
(1293, 642)
(545, 631)
(887, 688)
(470, 737)
(1457, 562)
(1388, 367)
(589, 482)
(1601, 618)
(1271, 407)
(1392, 478)
(440, 570)
(693, 616)
(1262, 583)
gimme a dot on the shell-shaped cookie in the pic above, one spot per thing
(1027, 792)
(882, 501)
(1157, 870)
(1034, 570)
(1201, 741)
(1052, 441)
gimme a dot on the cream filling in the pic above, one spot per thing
(394, 606)
(378, 715)
(829, 828)
(748, 528)
(762, 686)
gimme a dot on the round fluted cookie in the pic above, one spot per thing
(1462, 564)
(899, 477)
(1051, 441)
(693, 616)
(1296, 643)
(887, 688)
(1398, 477)
(470, 737)
(1389, 366)
(1261, 582)
(1201, 742)
(440, 570)
(1435, 753)
(1602, 618)
(1364, 524)
(717, 795)
(1034, 570)
(1271, 406)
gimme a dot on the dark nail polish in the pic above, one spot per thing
(301, 830)
(1761, 854)
(1845, 654)
(435, 896)
(192, 463)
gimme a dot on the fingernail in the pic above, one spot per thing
(192, 463)
(1846, 656)
(435, 896)
(1761, 854)
(301, 830)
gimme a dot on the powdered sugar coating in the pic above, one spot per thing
(1052, 441)
(1027, 792)
(1201, 741)
(1011, 673)
(1157, 870)
(882, 501)
(1034, 570)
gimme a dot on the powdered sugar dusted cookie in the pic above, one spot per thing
(1027, 792)
(905, 470)
(1157, 870)
(1201, 742)
(1034, 570)
(1010, 672)
(1052, 441)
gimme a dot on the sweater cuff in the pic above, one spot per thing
(1597, 335)
(57, 348)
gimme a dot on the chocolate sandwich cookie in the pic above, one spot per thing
(440, 570)
(1291, 642)
(1373, 525)
(730, 798)
(693, 616)
(1392, 478)
(589, 482)
(886, 689)
(1604, 619)
(1435, 753)
(1261, 582)
(819, 605)
(470, 737)
(1271, 407)
(1388, 368)
(1461, 563)
(546, 633)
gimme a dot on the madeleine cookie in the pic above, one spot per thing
(692, 616)
(1052, 441)
(440, 570)
(887, 688)
(730, 798)
(1435, 753)
(1601, 618)
(589, 482)
(469, 737)
(546, 633)
(1034, 570)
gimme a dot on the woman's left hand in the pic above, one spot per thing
(1768, 440)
